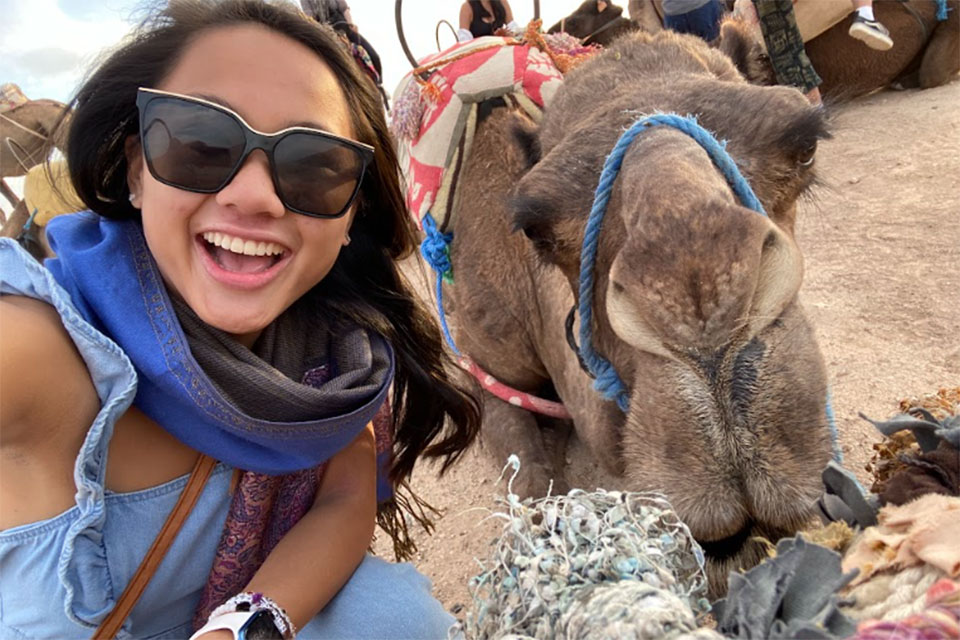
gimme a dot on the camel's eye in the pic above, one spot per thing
(805, 158)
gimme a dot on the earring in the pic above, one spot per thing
(132, 197)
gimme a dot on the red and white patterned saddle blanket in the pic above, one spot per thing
(434, 122)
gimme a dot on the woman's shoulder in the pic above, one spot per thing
(46, 383)
(45, 346)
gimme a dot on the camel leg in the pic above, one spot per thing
(941, 58)
(556, 436)
(18, 218)
(511, 430)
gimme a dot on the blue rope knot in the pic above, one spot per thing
(435, 248)
(942, 10)
(610, 386)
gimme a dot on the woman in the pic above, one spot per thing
(232, 294)
(484, 18)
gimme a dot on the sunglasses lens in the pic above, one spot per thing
(316, 174)
(190, 145)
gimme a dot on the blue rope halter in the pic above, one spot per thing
(607, 381)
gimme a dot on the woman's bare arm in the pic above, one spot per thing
(506, 6)
(466, 16)
(47, 402)
(320, 553)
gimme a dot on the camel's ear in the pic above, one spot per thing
(540, 207)
(526, 135)
(740, 44)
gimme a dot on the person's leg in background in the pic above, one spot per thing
(867, 28)
(785, 47)
(706, 20)
(703, 21)
(381, 601)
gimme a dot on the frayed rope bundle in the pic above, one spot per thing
(630, 609)
(540, 580)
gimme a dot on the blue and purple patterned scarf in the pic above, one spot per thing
(277, 412)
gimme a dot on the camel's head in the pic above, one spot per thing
(597, 25)
(695, 302)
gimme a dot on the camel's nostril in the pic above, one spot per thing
(729, 546)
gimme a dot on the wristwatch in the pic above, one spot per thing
(245, 625)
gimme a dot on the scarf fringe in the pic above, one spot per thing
(394, 515)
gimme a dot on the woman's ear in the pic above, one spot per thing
(134, 155)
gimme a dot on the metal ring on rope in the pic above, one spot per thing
(20, 154)
(436, 33)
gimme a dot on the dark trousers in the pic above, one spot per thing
(703, 22)
(785, 45)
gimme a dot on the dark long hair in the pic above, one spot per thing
(365, 284)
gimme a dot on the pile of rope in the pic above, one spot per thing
(589, 564)
(939, 618)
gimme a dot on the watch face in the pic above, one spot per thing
(258, 622)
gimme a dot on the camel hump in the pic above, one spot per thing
(813, 16)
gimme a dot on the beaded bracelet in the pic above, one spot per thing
(247, 601)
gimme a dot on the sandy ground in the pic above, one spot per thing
(881, 239)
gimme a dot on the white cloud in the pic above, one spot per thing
(46, 51)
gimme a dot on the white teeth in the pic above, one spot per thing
(241, 246)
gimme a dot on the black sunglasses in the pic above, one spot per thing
(196, 145)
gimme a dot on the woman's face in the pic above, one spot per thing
(273, 82)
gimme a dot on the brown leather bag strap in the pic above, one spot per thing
(188, 497)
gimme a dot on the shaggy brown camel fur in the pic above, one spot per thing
(696, 296)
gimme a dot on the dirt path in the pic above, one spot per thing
(881, 239)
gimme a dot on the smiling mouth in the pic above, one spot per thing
(237, 255)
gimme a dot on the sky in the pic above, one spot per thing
(48, 46)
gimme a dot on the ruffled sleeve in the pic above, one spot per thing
(89, 593)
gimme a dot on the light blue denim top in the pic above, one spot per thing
(60, 577)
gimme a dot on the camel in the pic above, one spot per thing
(695, 300)
(24, 134)
(926, 52)
(595, 27)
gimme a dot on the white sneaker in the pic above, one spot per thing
(871, 33)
